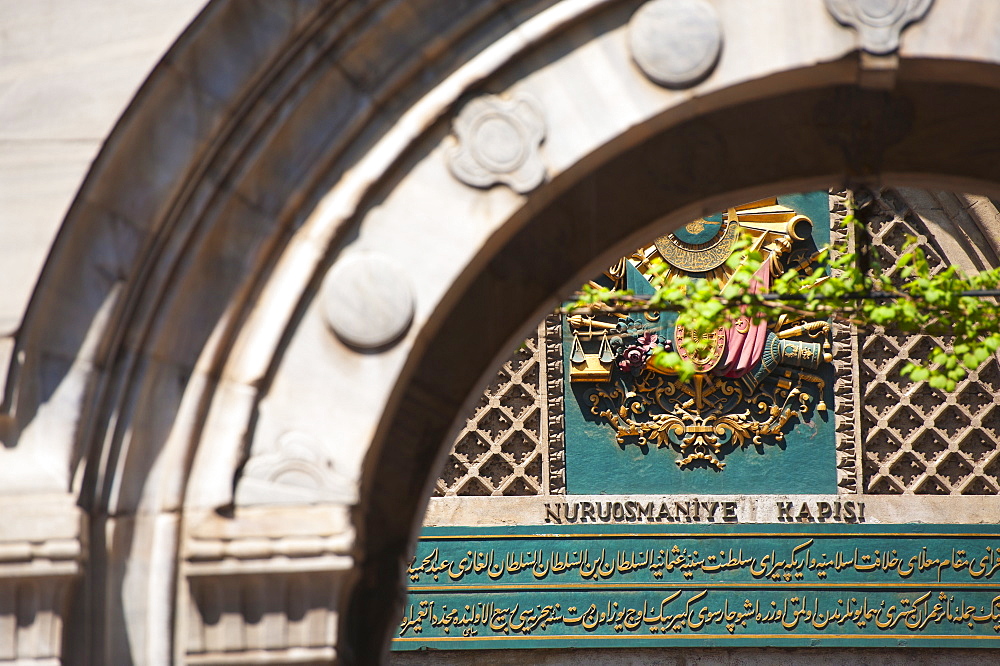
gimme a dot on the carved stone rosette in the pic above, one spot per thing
(498, 142)
(878, 22)
(298, 469)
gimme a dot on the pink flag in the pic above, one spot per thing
(745, 342)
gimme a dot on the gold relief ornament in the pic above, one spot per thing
(591, 367)
(711, 357)
(700, 246)
(751, 381)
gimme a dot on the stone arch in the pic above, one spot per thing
(180, 301)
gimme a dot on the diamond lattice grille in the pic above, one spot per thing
(918, 440)
(500, 449)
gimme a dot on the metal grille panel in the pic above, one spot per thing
(500, 451)
(918, 440)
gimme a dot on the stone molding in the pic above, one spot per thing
(263, 586)
(42, 553)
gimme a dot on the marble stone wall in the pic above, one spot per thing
(181, 411)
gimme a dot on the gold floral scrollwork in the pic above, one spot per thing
(664, 412)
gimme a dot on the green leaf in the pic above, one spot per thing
(666, 361)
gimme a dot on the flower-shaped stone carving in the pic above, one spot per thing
(878, 22)
(498, 142)
(298, 470)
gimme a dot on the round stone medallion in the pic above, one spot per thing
(676, 43)
(367, 301)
